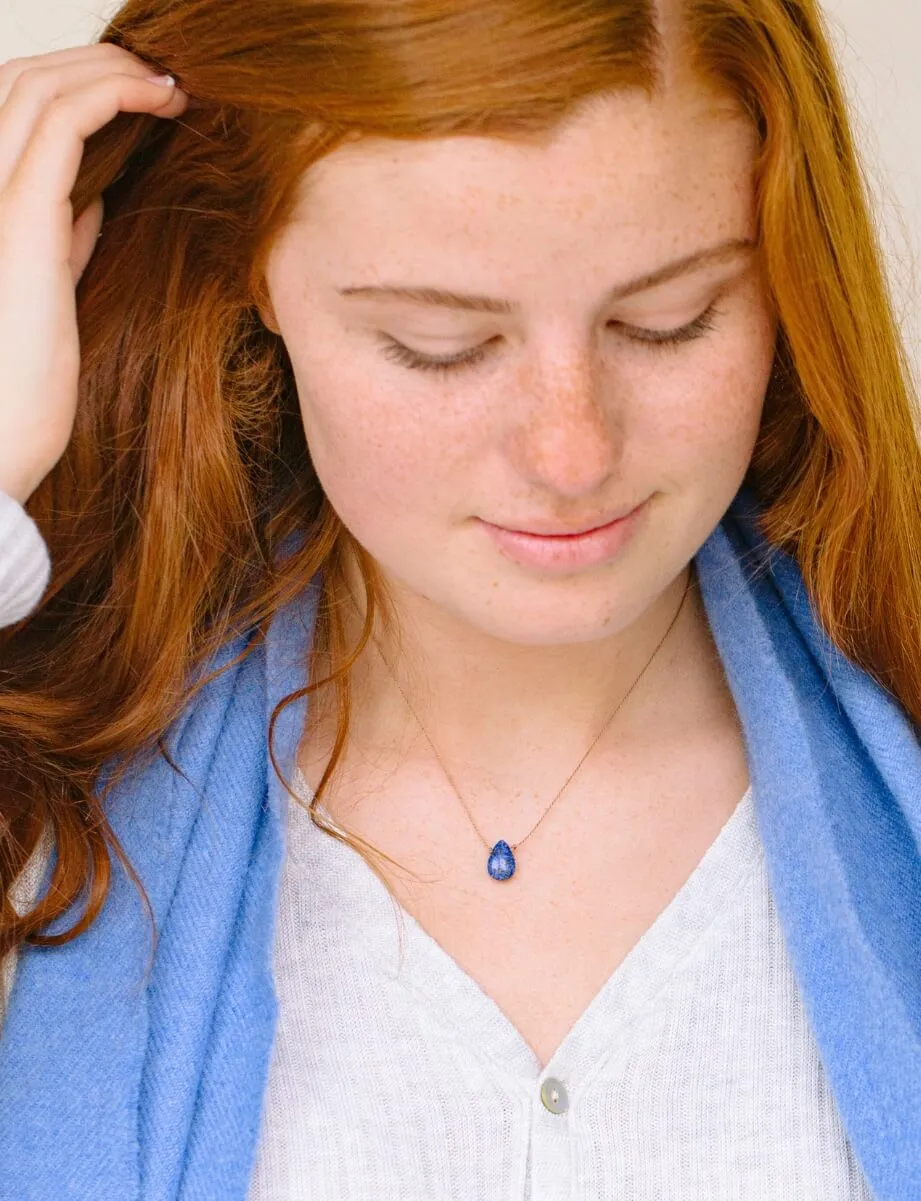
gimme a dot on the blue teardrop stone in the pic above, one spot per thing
(501, 863)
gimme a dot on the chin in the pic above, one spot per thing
(551, 619)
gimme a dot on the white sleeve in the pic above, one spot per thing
(25, 566)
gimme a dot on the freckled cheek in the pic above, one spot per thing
(374, 448)
(714, 417)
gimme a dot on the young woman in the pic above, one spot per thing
(460, 468)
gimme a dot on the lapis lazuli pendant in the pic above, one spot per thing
(501, 863)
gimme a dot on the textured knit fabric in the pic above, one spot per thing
(25, 569)
(23, 896)
(24, 564)
(116, 1081)
(692, 1075)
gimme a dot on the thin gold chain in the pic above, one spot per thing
(515, 847)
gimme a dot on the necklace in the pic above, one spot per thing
(501, 863)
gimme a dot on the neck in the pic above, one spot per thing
(488, 706)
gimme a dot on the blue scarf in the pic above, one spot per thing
(119, 1084)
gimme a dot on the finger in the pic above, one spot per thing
(33, 92)
(103, 54)
(50, 162)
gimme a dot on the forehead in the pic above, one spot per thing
(647, 176)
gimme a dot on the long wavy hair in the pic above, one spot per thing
(188, 465)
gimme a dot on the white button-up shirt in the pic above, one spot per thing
(691, 1076)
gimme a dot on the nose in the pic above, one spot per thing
(567, 441)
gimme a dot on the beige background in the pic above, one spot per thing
(878, 43)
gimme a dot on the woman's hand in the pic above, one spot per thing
(49, 105)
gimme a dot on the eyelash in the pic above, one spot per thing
(396, 352)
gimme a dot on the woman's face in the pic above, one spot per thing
(566, 414)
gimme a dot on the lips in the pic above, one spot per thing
(543, 529)
(566, 553)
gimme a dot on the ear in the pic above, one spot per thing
(269, 320)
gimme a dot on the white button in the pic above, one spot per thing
(553, 1095)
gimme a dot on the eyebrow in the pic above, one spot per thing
(487, 304)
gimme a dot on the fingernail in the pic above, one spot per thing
(164, 81)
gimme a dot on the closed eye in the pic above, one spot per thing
(658, 339)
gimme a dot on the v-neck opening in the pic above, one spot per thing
(450, 998)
